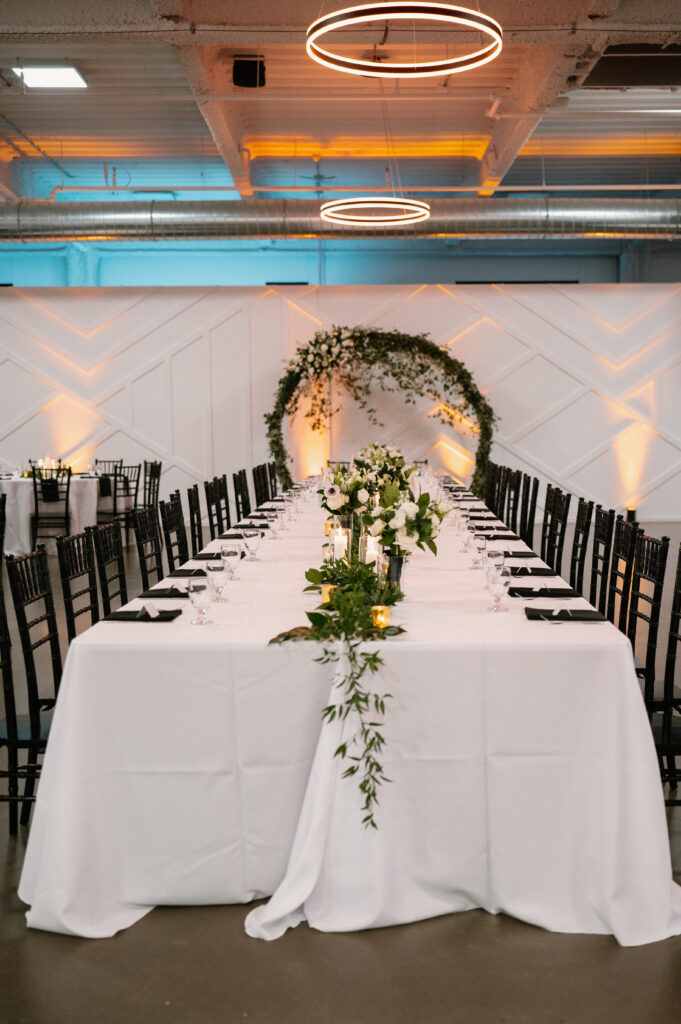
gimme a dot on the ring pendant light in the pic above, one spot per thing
(393, 211)
(461, 17)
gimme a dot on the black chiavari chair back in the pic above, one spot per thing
(555, 540)
(78, 573)
(528, 509)
(601, 554)
(108, 466)
(645, 603)
(3, 524)
(261, 485)
(491, 477)
(152, 481)
(621, 571)
(195, 526)
(148, 541)
(549, 502)
(31, 590)
(510, 515)
(110, 565)
(580, 542)
(51, 493)
(174, 531)
(217, 503)
(666, 717)
(274, 485)
(241, 495)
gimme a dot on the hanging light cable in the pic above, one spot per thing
(459, 17)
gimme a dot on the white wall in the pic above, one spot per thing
(586, 379)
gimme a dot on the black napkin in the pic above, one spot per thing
(480, 517)
(519, 554)
(50, 489)
(207, 556)
(253, 526)
(183, 574)
(163, 592)
(504, 536)
(564, 615)
(526, 570)
(164, 615)
(257, 515)
(544, 592)
(105, 486)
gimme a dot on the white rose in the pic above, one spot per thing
(434, 522)
(376, 528)
(324, 348)
(334, 501)
(310, 358)
(363, 496)
(404, 540)
(411, 509)
(398, 520)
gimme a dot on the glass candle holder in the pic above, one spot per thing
(327, 590)
(327, 527)
(380, 615)
(341, 543)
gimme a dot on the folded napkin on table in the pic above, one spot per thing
(183, 574)
(506, 536)
(163, 592)
(206, 556)
(526, 570)
(565, 615)
(50, 489)
(164, 615)
(542, 592)
(478, 517)
(257, 515)
(519, 554)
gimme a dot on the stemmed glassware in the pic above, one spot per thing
(200, 596)
(231, 556)
(497, 583)
(252, 543)
(216, 575)
(275, 524)
(479, 543)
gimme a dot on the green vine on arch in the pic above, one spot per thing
(360, 360)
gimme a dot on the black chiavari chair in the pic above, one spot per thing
(502, 488)
(3, 524)
(274, 485)
(528, 509)
(261, 485)
(77, 566)
(621, 570)
(217, 503)
(549, 502)
(580, 542)
(645, 605)
(110, 565)
(555, 540)
(195, 527)
(148, 541)
(108, 466)
(513, 488)
(51, 491)
(491, 477)
(666, 710)
(31, 591)
(152, 480)
(601, 553)
(241, 495)
(174, 531)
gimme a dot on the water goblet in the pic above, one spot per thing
(479, 543)
(252, 543)
(231, 556)
(495, 558)
(497, 583)
(275, 525)
(216, 574)
(200, 596)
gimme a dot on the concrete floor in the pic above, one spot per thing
(195, 965)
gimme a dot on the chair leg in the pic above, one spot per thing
(13, 792)
(29, 786)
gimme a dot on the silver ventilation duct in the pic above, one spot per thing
(40, 221)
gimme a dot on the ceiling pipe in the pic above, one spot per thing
(31, 221)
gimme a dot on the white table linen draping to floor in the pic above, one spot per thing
(19, 509)
(188, 765)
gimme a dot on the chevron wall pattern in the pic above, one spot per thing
(585, 379)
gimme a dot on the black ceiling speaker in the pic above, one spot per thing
(249, 71)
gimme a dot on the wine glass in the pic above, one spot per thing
(216, 574)
(231, 556)
(479, 543)
(200, 597)
(495, 558)
(497, 583)
(275, 525)
(252, 543)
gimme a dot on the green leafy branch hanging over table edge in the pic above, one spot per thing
(343, 626)
(362, 359)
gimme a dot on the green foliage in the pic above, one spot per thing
(342, 626)
(365, 359)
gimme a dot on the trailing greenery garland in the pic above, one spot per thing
(361, 359)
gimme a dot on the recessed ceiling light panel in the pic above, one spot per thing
(43, 77)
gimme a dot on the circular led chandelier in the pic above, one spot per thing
(461, 17)
(392, 211)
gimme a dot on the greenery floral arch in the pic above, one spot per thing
(360, 360)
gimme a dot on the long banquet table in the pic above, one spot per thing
(188, 765)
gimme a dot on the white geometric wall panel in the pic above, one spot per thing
(585, 379)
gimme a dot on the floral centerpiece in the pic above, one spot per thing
(402, 523)
(349, 491)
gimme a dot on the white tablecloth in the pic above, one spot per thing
(523, 773)
(19, 508)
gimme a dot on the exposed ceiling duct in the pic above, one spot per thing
(36, 221)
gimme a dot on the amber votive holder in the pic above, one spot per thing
(327, 590)
(380, 615)
(327, 527)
